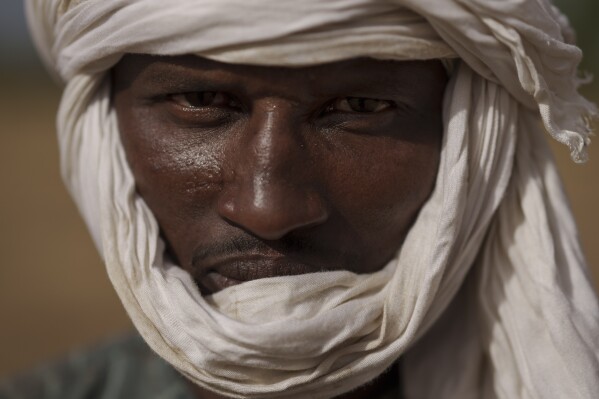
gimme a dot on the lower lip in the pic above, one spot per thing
(214, 282)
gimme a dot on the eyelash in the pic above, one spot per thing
(185, 100)
(193, 101)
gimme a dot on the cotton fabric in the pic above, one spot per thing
(488, 297)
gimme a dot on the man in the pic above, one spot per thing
(287, 210)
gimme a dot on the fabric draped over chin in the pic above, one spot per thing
(489, 295)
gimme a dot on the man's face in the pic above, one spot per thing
(256, 172)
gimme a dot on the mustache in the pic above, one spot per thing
(300, 248)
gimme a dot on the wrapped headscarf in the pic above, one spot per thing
(488, 297)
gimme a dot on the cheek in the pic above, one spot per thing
(168, 162)
(385, 183)
(177, 174)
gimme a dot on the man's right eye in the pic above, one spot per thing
(204, 99)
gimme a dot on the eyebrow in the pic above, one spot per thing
(182, 77)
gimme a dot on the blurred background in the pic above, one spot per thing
(54, 292)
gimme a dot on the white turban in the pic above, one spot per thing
(488, 297)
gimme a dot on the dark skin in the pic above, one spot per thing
(254, 172)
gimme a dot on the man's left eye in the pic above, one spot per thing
(202, 99)
(359, 104)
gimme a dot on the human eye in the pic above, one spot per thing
(362, 105)
(195, 100)
(363, 115)
(202, 108)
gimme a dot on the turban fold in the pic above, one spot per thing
(488, 297)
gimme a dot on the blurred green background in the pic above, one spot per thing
(54, 293)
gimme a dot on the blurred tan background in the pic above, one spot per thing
(54, 293)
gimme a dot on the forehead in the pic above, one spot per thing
(179, 71)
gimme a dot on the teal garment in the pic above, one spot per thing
(122, 369)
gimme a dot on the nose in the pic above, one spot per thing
(273, 190)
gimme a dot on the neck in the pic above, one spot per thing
(377, 388)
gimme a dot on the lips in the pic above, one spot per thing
(220, 274)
